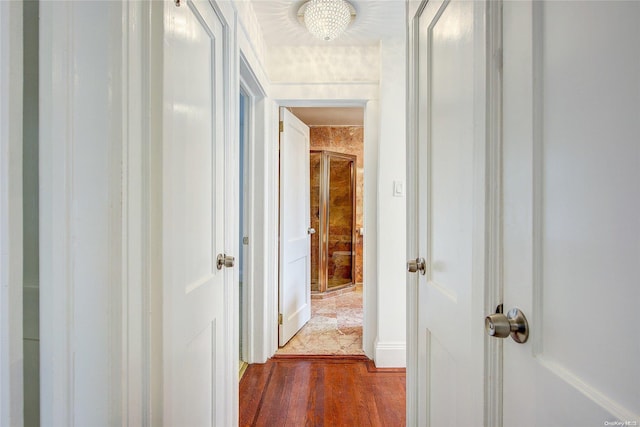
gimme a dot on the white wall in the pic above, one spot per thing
(391, 340)
(323, 64)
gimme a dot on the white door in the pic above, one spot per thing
(450, 202)
(295, 242)
(195, 349)
(572, 211)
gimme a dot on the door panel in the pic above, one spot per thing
(295, 243)
(571, 203)
(193, 216)
(451, 195)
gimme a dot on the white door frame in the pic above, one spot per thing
(369, 293)
(257, 252)
(493, 291)
(11, 252)
(412, 403)
(492, 216)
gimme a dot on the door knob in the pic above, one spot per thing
(514, 323)
(418, 264)
(311, 230)
(225, 260)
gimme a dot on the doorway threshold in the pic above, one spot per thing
(335, 328)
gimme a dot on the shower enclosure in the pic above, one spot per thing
(333, 215)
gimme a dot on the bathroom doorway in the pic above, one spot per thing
(336, 188)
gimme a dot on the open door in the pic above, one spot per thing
(197, 348)
(571, 212)
(449, 138)
(295, 242)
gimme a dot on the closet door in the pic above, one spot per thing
(196, 344)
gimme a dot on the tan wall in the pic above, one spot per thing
(346, 140)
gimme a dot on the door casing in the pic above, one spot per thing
(11, 240)
(369, 216)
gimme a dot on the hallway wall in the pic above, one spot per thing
(391, 341)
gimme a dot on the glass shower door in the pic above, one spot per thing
(340, 221)
(333, 207)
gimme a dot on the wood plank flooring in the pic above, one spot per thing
(322, 391)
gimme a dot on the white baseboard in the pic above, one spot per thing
(390, 354)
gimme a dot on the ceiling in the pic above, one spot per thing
(374, 20)
(334, 116)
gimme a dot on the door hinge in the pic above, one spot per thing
(245, 240)
(280, 319)
(281, 126)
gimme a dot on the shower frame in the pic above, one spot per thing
(325, 212)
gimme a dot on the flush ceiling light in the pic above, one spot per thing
(326, 19)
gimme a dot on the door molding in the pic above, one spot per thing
(11, 251)
(257, 255)
(412, 210)
(231, 84)
(493, 292)
(350, 95)
(138, 80)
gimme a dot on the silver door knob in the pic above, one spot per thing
(415, 265)
(514, 323)
(311, 230)
(225, 260)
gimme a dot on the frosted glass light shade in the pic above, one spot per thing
(327, 19)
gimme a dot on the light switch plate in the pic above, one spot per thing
(398, 188)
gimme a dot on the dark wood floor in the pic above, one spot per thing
(322, 391)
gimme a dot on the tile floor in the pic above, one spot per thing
(335, 327)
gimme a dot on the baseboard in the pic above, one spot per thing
(390, 354)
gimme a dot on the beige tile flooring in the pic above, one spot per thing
(335, 327)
